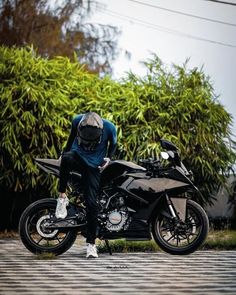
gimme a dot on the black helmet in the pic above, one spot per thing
(90, 130)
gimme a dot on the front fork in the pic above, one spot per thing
(170, 205)
(177, 207)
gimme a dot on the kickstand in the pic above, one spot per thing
(108, 247)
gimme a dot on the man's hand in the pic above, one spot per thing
(105, 164)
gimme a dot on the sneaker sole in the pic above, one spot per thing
(91, 256)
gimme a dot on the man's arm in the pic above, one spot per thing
(73, 133)
(111, 150)
(112, 141)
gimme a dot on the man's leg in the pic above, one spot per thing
(69, 162)
(92, 178)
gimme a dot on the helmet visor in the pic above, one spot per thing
(88, 145)
(89, 137)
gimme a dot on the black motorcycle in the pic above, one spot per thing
(137, 202)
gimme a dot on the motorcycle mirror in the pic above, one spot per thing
(164, 155)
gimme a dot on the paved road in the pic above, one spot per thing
(204, 272)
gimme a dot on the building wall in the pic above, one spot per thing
(221, 206)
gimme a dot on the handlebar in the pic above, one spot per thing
(148, 161)
(152, 165)
(155, 166)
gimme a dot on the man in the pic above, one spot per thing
(90, 146)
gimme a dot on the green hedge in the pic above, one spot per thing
(40, 96)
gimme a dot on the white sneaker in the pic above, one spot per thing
(61, 211)
(91, 251)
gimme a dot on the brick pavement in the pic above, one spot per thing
(204, 272)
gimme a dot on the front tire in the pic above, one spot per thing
(185, 238)
(37, 240)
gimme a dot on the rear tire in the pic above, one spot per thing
(185, 240)
(37, 240)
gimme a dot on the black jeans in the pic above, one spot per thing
(71, 161)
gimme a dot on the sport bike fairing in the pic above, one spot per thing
(155, 185)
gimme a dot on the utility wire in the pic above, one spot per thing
(161, 28)
(183, 13)
(222, 2)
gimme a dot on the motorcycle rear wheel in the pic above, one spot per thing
(35, 238)
(182, 239)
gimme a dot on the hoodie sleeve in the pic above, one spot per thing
(73, 133)
(112, 140)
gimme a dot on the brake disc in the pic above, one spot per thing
(46, 233)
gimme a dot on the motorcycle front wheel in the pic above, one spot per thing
(180, 238)
(35, 237)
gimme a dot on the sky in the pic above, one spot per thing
(174, 37)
